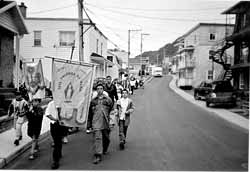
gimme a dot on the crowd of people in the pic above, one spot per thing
(110, 105)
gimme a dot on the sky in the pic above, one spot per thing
(163, 20)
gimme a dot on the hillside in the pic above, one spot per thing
(169, 51)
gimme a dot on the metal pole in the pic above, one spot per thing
(142, 34)
(80, 18)
(17, 61)
(141, 52)
(128, 48)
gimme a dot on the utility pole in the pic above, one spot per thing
(129, 43)
(80, 18)
(142, 34)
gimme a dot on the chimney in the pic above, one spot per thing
(23, 8)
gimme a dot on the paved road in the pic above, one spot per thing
(166, 133)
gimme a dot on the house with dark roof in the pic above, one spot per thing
(12, 28)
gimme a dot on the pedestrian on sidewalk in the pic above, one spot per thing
(110, 88)
(35, 118)
(53, 112)
(98, 122)
(125, 107)
(132, 84)
(18, 108)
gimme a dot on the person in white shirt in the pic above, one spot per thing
(52, 112)
(125, 107)
(132, 84)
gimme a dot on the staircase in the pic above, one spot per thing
(218, 56)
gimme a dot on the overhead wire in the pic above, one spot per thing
(165, 10)
(109, 29)
(151, 17)
(53, 9)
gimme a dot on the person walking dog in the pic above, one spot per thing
(125, 107)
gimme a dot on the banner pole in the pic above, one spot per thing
(90, 98)
(52, 79)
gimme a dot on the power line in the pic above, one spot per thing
(164, 10)
(154, 18)
(54, 9)
(107, 28)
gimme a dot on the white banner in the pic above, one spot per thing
(34, 80)
(72, 86)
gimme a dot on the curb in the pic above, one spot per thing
(222, 113)
(5, 161)
(148, 79)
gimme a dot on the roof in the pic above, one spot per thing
(206, 24)
(16, 14)
(240, 7)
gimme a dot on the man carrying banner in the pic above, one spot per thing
(52, 112)
(98, 120)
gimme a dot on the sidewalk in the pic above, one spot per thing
(225, 114)
(9, 151)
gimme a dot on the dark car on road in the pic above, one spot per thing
(202, 90)
(222, 93)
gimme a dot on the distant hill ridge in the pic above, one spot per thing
(169, 51)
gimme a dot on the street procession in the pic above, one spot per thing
(124, 85)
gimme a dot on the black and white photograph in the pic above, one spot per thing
(124, 85)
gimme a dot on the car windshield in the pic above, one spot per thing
(222, 87)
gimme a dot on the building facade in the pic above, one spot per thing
(114, 68)
(240, 39)
(59, 38)
(194, 64)
(12, 28)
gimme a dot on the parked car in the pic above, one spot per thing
(202, 90)
(222, 93)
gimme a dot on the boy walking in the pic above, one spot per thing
(125, 108)
(18, 108)
(52, 112)
(35, 118)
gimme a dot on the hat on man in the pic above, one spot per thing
(99, 84)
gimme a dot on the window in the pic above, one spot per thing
(195, 39)
(210, 75)
(212, 36)
(37, 38)
(97, 43)
(110, 58)
(101, 48)
(241, 81)
(67, 38)
(211, 54)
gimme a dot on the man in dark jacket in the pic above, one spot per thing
(98, 121)
(111, 89)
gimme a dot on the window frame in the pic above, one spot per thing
(241, 81)
(97, 43)
(210, 36)
(210, 74)
(36, 39)
(68, 44)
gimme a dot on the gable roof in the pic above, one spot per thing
(205, 24)
(240, 7)
(13, 9)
